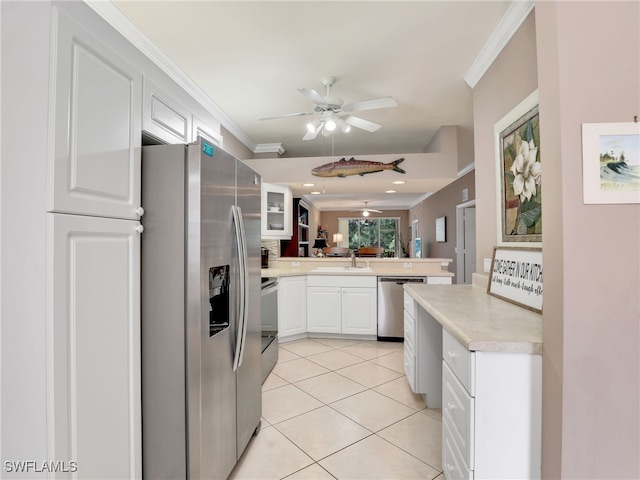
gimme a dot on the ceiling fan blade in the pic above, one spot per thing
(313, 96)
(362, 123)
(374, 211)
(287, 115)
(313, 134)
(383, 102)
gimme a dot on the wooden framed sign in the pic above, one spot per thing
(516, 276)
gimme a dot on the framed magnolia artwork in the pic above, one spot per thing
(519, 174)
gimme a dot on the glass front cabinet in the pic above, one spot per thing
(276, 211)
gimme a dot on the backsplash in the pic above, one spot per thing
(273, 246)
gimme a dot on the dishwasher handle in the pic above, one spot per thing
(402, 280)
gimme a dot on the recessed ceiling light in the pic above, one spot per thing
(399, 182)
(308, 184)
(390, 191)
(315, 193)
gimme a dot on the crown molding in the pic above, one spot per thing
(119, 21)
(467, 169)
(421, 199)
(269, 148)
(508, 25)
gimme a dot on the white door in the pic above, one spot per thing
(469, 216)
(323, 309)
(465, 241)
(359, 311)
(96, 166)
(94, 400)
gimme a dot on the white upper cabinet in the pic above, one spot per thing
(277, 205)
(164, 117)
(206, 131)
(97, 104)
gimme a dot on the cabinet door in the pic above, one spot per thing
(97, 100)
(163, 117)
(277, 210)
(292, 306)
(94, 345)
(324, 309)
(206, 131)
(359, 311)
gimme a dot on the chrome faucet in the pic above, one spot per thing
(353, 259)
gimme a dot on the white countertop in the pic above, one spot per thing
(478, 320)
(436, 267)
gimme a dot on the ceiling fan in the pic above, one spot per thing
(334, 114)
(366, 211)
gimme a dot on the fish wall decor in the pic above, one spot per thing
(343, 167)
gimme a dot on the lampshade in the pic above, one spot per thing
(319, 243)
(337, 238)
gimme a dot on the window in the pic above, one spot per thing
(370, 232)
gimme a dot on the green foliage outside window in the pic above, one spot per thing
(374, 232)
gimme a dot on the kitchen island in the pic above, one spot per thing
(424, 267)
(487, 375)
(332, 298)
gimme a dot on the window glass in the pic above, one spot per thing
(371, 232)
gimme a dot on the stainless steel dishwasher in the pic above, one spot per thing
(391, 306)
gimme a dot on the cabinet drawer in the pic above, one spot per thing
(458, 408)
(410, 367)
(341, 281)
(410, 305)
(460, 360)
(453, 464)
(438, 280)
(409, 328)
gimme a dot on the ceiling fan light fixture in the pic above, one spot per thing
(330, 124)
(313, 126)
(344, 126)
(365, 213)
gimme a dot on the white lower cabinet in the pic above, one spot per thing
(94, 344)
(292, 306)
(491, 413)
(324, 309)
(342, 304)
(422, 352)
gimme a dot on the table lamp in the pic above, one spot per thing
(319, 244)
(337, 238)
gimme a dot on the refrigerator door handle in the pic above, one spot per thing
(241, 262)
(245, 290)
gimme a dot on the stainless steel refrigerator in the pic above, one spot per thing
(201, 328)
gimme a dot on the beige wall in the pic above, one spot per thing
(591, 362)
(442, 204)
(232, 145)
(511, 78)
(589, 72)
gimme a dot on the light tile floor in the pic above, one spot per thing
(342, 409)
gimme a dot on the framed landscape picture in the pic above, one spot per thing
(519, 174)
(611, 162)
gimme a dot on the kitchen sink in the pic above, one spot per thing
(342, 269)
